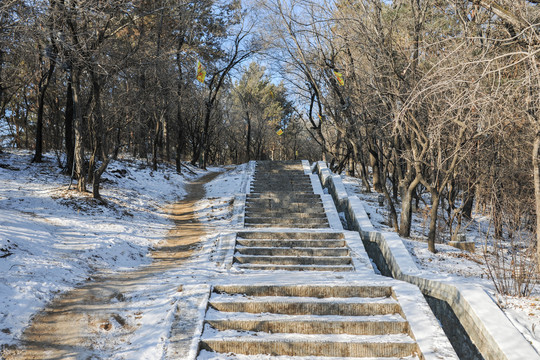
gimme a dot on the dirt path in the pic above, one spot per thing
(69, 326)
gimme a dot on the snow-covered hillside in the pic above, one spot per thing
(52, 238)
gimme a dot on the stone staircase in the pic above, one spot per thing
(282, 197)
(329, 308)
(308, 251)
(306, 320)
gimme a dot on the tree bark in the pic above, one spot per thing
(377, 178)
(406, 208)
(248, 137)
(435, 198)
(536, 170)
(68, 126)
(42, 88)
(80, 169)
(468, 204)
(155, 147)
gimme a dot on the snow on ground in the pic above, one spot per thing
(52, 238)
(467, 267)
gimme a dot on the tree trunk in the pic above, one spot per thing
(68, 126)
(248, 137)
(201, 149)
(179, 141)
(536, 169)
(377, 184)
(43, 85)
(432, 234)
(406, 208)
(468, 203)
(179, 118)
(99, 139)
(364, 176)
(155, 146)
(80, 171)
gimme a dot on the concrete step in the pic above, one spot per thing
(308, 324)
(291, 235)
(210, 355)
(276, 205)
(285, 220)
(277, 180)
(283, 195)
(315, 291)
(298, 208)
(305, 306)
(295, 226)
(283, 202)
(309, 345)
(287, 243)
(287, 251)
(272, 267)
(281, 187)
(292, 260)
(310, 213)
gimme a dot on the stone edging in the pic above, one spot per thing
(487, 326)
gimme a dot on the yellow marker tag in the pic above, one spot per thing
(279, 132)
(201, 73)
(339, 78)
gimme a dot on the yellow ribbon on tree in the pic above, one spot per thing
(339, 78)
(201, 73)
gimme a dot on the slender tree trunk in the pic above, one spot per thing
(364, 176)
(248, 137)
(435, 198)
(468, 202)
(155, 147)
(80, 170)
(179, 117)
(68, 126)
(43, 86)
(1, 89)
(377, 179)
(179, 141)
(536, 169)
(99, 139)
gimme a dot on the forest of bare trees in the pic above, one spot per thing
(431, 102)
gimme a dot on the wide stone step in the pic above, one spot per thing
(273, 267)
(308, 324)
(206, 355)
(309, 213)
(284, 188)
(284, 243)
(306, 306)
(274, 180)
(281, 194)
(293, 260)
(283, 202)
(297, 208)
(309, 345)
(295, 235)
(310, 291)
(285, 221)
(297, 226)
(286, 251)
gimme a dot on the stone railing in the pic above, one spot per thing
(478, 316)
